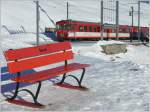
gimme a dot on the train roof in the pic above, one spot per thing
(70, 20)
(84, 22)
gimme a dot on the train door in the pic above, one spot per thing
(108, 31)
(74, 30)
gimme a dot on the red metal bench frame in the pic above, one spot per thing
(28, 58)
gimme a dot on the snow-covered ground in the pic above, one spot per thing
(113, 86)
(117, 83)
(137, 54)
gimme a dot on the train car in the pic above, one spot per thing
(81, 30)
(67, 30)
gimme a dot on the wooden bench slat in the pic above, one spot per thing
(14, 67)
(22, 53)
(47, 74)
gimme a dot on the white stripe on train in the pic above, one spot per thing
(96, 35)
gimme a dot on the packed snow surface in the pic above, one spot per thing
(115, 82)
(113, 86)
(137, 54)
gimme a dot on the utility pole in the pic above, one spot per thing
(102, 16)
(37, 22)
(117, 19)
(131, 13)
(139, 9)
(139, 16)
(67, 10)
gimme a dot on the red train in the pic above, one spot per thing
(79, 30)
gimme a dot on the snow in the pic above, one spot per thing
(109, 42)
(117, 83)
(113, 86)
(22, 40)
(136, 54)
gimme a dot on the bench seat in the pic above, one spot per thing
(50, 73)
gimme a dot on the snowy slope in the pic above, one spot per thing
(22, 40)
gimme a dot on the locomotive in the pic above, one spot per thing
(81, 30)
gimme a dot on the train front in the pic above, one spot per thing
(62, 31)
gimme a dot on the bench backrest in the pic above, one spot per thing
(32, 57)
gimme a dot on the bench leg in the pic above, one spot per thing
(33, 96)
(63, 79)
(16, 92)
(78, 80)
(36, 94)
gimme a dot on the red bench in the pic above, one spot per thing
(23, 59)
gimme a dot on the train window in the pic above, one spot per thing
(90, 28)
(124, 31)
(65, 26)
(60, 27)
(98, 29)
(57, 27)
(81, 28)
(72, 27)
(94, 29)
(120, 30)
(85, 28)
(68, 27)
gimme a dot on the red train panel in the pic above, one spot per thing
(68, 29)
